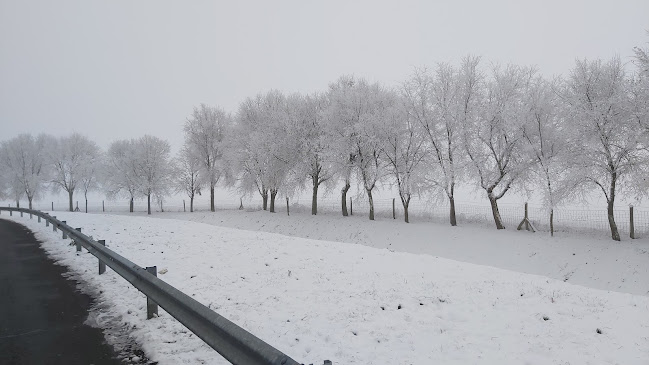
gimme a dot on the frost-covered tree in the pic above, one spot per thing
(25, 160)
(153, 167)
(72, 157)
(494, 140)
(187, 174)
(119, 173)
(597, 100)
(268, 146)
(313, 160)
(550, 145)
(404, 152)
(442, 104)
(204, 134)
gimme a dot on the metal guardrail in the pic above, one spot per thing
(235, 344)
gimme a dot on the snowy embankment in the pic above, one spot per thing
(593, 261)
(352, 304)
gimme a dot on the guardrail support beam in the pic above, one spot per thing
(151, 306)
(54, 225)
(102, 266)
(65, 235)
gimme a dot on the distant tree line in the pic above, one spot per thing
(495, 127)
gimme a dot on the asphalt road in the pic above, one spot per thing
(41, 312)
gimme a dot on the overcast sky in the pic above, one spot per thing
(120, 69)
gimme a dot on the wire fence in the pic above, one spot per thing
(565, 220)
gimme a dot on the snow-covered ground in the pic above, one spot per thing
(354, 304)
(593, 261)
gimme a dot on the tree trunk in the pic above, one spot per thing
(552, 222)
(70, 192)
(273, 194)
(496, 213)
(212, 198)
(406, 203)
(30, 201)
(264, 198)
(344, 198)
(453, 219)
(148, 204)
(615, 235)
(130, 205)
(191, 204)
(314, 199)
(371, 200)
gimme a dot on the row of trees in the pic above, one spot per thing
(496, 127)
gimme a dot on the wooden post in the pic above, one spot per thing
(11, 213)
(103, 208)
(394, 213)
(52, 206)
(30, 215)
(528, 225)
(78, 242)
(631, 228)
(39, 219)
(184, 210)
(102, 266)
(47, 223)
(151, 306)
(54, 225)
(287, 209)
(65, 235)
(351, 207)
(21, 214)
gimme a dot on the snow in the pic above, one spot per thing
(354, 304)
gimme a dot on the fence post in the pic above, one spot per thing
(103, 208)
(287, 211)
(102, 266)
(52, 206)
(394, 213)
(631, 228)
(151, 306)
(351, 207)
(65, 235)
(78, 242)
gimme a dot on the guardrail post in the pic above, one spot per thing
(77, 241)
(631, 228)
(102, 266)
(39, 219)
(21, 214)
(11, 213)
(65, 235)
(151, 306)
(30, 215)
(54, 225)
(47, 222)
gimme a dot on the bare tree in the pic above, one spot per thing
(153, 167)
(494, 140)
(187, 175)
(25, 160)
(596, 94)
(72, 157)
(549, 143)
(442, 104)
(204, 133)
(404, 151)
(119, 173)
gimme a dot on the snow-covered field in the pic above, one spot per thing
(354, 304)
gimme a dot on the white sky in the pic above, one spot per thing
(120, 69)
